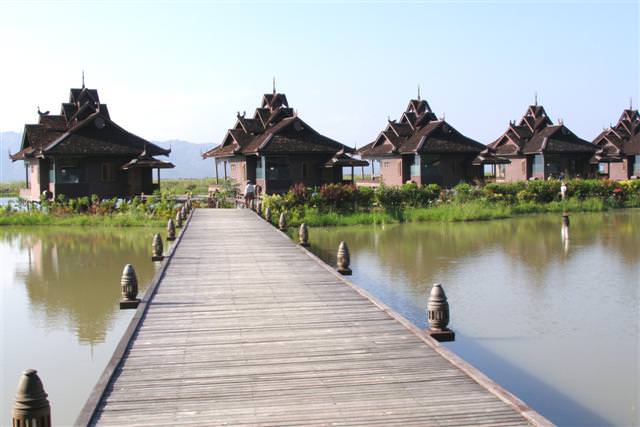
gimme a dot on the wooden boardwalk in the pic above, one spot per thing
(246, 328)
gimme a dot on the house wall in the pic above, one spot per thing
(391, 171)
(515, 171)
(619, 171)
(121, 184)
(454, 170)
(34, 178)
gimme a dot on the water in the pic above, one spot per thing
(59, 307)
(554, 321)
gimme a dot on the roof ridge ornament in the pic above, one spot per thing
(82, 79)
(274, 85)
(418, 92)
(535, 97)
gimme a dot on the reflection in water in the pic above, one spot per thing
(554, 320)
(60, 315)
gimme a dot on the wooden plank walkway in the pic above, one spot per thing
(247, 328)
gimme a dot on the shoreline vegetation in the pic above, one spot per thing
(342, 204)
(338, 205)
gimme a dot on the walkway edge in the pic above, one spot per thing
(88, 410)
(507, 397)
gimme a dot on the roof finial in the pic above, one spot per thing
(82, 79)
(418, 92)
(630, 103)
(274, 85)
(535, 98)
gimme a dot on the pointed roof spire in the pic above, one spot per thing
(630, 103)
(535, 98)
(82, 79)
(274, 85)
(418, 92)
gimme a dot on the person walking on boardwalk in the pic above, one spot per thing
(249, 194)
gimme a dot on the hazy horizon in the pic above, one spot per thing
(182, 70)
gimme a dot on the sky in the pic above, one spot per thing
(181, 70)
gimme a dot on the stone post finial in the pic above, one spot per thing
(178, 219)
(438, 314)
(129, 284)
(171, 230)
(267, 214)
(282, 222)
(183, 213)
(157, 249)
(31, 407)
(344, 259)
(303, 234)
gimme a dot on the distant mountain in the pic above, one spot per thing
(185, 155)
(188, 160)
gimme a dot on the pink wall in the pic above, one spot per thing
(619, 171)
(515, 171)
(391, 171)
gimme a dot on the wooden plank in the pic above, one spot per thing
(244, 327)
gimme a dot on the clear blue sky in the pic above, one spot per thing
(182, 69)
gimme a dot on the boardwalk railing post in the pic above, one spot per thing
(438, 315)
(344, 259)
(259, 208)
(183, 213)
(157, 249)
(31, 407)
(282, 222)
(129, 284)
(303, 235)
(178, 219)
(267, 214)
(171, 230)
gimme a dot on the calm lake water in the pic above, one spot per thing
(60, 289)
(554, 321)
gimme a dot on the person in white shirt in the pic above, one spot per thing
(249, 194)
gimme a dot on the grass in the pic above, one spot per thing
(447, 212)
(114, 220)
(10, 189)
(193, 185)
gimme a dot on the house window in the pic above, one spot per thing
(70, 173)
(260, 166)
(52, 171)
(416, 165)
(386, 165)
(107, 172)
(501, 171)
(636, 165)
(538, 164)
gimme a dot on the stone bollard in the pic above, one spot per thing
(129, 283)
(31, 407)
(157, 249)
(282, 222)
(303, 234)
(217, 204)
(267, 215)
(438, 315)
(344, 259)
(259, 208)
(171, 230)
(565, 219)
(183, 213)
(178, 220)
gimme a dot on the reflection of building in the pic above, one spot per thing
(619, 147)
(276, 149)
(539, 149)
(424, 149)
(72, 276)
(81, 152)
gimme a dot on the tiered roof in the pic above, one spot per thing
(420, 131)
(536, 134)
(274, 128)
(620, 140)
(83, 127)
